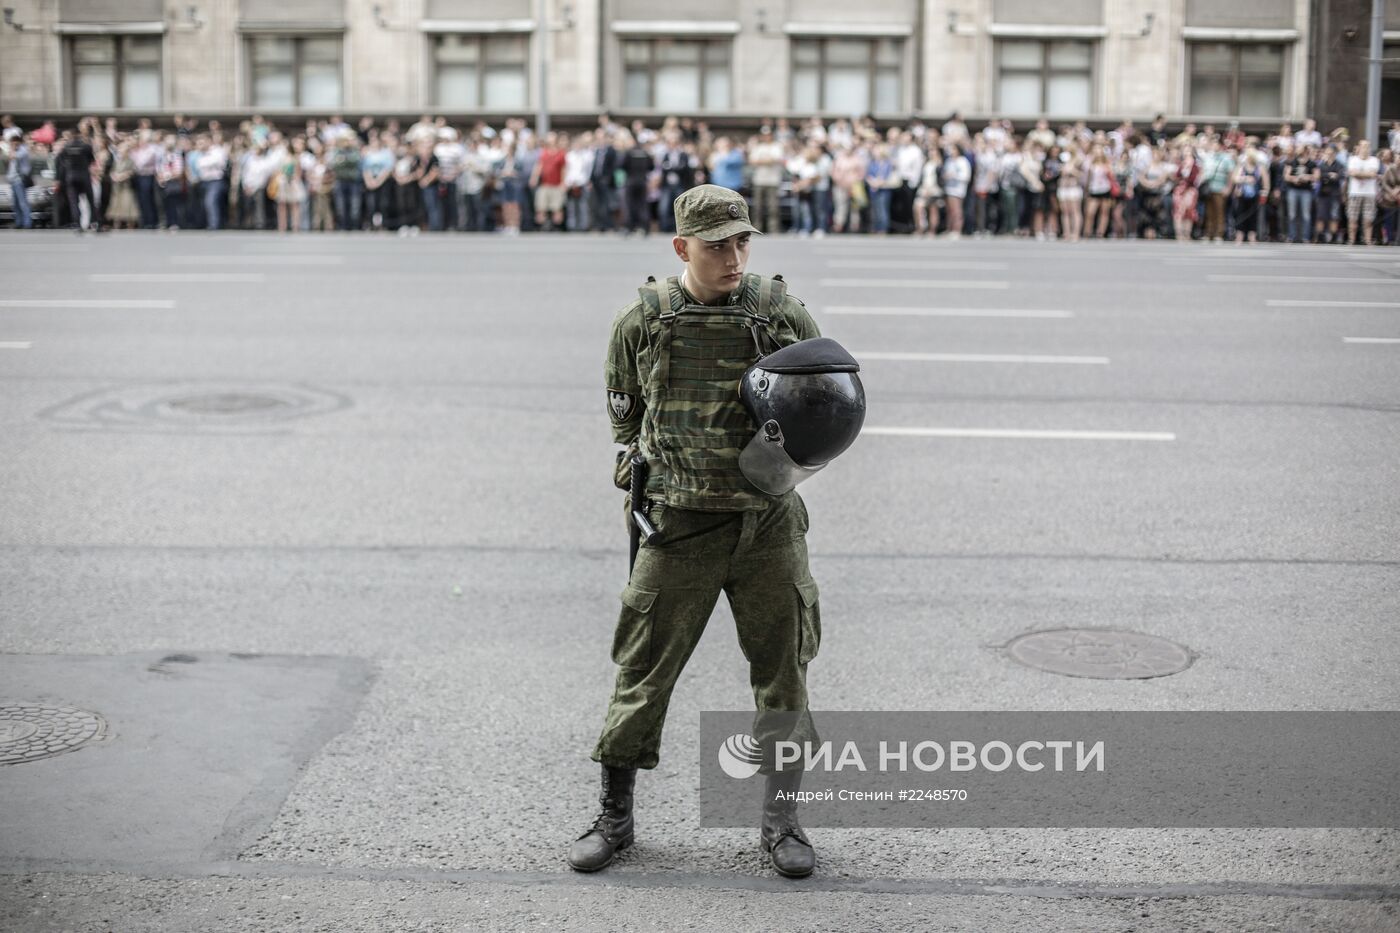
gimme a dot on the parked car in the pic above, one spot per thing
(41, 195)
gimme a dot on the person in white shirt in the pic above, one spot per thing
(839, 135)
(1308, 135)
(995, 135)
(254, 174)
(451, 155)
(1362, 170)
(578, 172)
(1011, 186)
(425, 128)
(928, 196)
(909, 167)
(335, 128)
(909, 161)
(822, 192)
(307, 160)
(213, 165)
(957, 172)
(766, 157)
(802, 167)
(1140, 155)
(473, 212)
(955, 130)
(1042, 135)
(1284, 138)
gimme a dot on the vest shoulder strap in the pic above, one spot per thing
(763, 298)
(660, 300)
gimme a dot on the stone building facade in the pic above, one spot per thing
(731, 62)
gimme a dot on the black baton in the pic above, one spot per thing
(641, 526)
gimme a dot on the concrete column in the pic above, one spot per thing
(761, 59)
(384, 60)
(202, 64)
(573, 74)
(32, 76)
(1133, 67)
(953, 59)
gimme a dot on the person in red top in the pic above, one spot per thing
(45, 134)
(548, 180)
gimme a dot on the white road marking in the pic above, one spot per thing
(148, 304)
(1249, 260)
(944, 312)
(1286, 279)
(176, 277)
(272, 259)
(912, 283)
(1314, 303)
(8, 243)
(978, 358)
(15, 344)
(1238, 254)
(913, 264)
(1371, 339)
(1024, 434)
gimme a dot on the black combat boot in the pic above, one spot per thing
(780, 835)
(612, 830)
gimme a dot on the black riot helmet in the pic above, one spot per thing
(808, 404)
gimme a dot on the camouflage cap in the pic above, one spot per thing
(711, 212)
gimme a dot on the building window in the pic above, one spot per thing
(115, 72)
(1054, 76)
(295, 71)
(676, 75)
(1390, 83)
(1236, 79)
(848, 76)
(481, 71)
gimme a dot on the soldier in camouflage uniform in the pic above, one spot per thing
(674, 361)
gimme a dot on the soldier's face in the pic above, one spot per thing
(715, 265)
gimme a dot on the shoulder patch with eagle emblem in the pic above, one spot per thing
(621, 406)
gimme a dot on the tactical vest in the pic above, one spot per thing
(694, 425)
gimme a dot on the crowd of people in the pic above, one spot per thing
(811, 178)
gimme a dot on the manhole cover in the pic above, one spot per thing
(28, 733)
(226, 403)
(219, 407)
(1109, 655)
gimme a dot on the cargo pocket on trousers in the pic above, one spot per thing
(810, 631)
(632, 640)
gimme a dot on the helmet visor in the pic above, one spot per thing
(765, 463)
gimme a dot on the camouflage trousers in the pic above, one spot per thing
(759, 560)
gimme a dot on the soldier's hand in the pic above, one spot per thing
(622, 471)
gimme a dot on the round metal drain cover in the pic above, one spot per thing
(1105, 654)
(226, 403)
(213, 406)
(28, 733)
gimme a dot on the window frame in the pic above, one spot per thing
(1236, 48)
(1046, 71)
(298, 40)
(119, 56)
(1390, 72)
(705, 68)
(872, 73)
(481, 40)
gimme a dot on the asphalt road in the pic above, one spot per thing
(396, 450)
